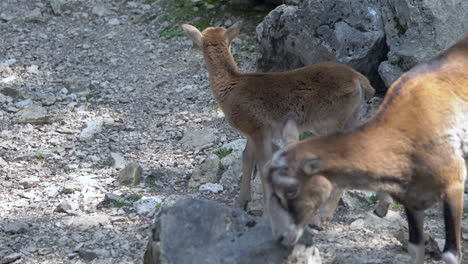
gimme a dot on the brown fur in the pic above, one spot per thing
(415, 148)
(325, 97)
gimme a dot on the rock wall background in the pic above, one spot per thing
(379, 38)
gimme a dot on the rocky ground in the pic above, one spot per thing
(105, 114)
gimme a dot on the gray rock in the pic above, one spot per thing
(192, 229)
(205, 172)
(237, 148)
(32, 112)
(13, 93)
(113, 22)
(392, 220)
(147, 205)
(29, 182)
(34, 69)
(90, 254)
(107, 121)
(10, 258)
(3, 163)
(15, 228)
(232, 174)
(349, 32)
(117, 161)
(353, 259)
(6, 17)
(117, 200)
(35, 16)
(130, 175)
(417, 31)
(89, 221)
(77, 85)
(302, 254)
(195, 138)
(71, 187)
(389, 72)
(211, 187)
(101, 10)
(355, 198)
(49, 101)
(56, 6)
(92, 128)
(24, 103)
(64, 207)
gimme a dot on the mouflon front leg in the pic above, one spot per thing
(416, 235)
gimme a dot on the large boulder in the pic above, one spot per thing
(196, 231)
(349, 32)
(419, 30)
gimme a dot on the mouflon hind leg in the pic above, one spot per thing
(453, 209)
(248, 163)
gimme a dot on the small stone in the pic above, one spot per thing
(205, 172)
(302, 254)
(34, 69)
(49, 101)
(101, 10)
(13, 93)
(90, 254)
(10, 258)
(6, 17)
(195, 138)
(44, 251)
(64, 91)
(130, 175)
(71, 187)
(15, 228)
(35, 16)
(56, 6)
(24, 103)
(113, 22)
(29, 182)
(3, 163)
(147, 205)
(32, 112)
(88, 221)
(117, 200)
(12, 109)
(108, 121)
(64, 207)
(212, 187)
(92, 128)
(117, 161)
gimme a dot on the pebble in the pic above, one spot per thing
(211, 187)
(113, 22)
(15, 228)
(10, 258)
(29, 182)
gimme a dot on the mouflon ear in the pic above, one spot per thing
(311, 165)
(194, 34)
(290, 132)
(233, 30)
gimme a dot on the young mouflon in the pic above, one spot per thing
(325, 97)
(415, 148)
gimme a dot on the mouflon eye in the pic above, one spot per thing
(291, 192)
